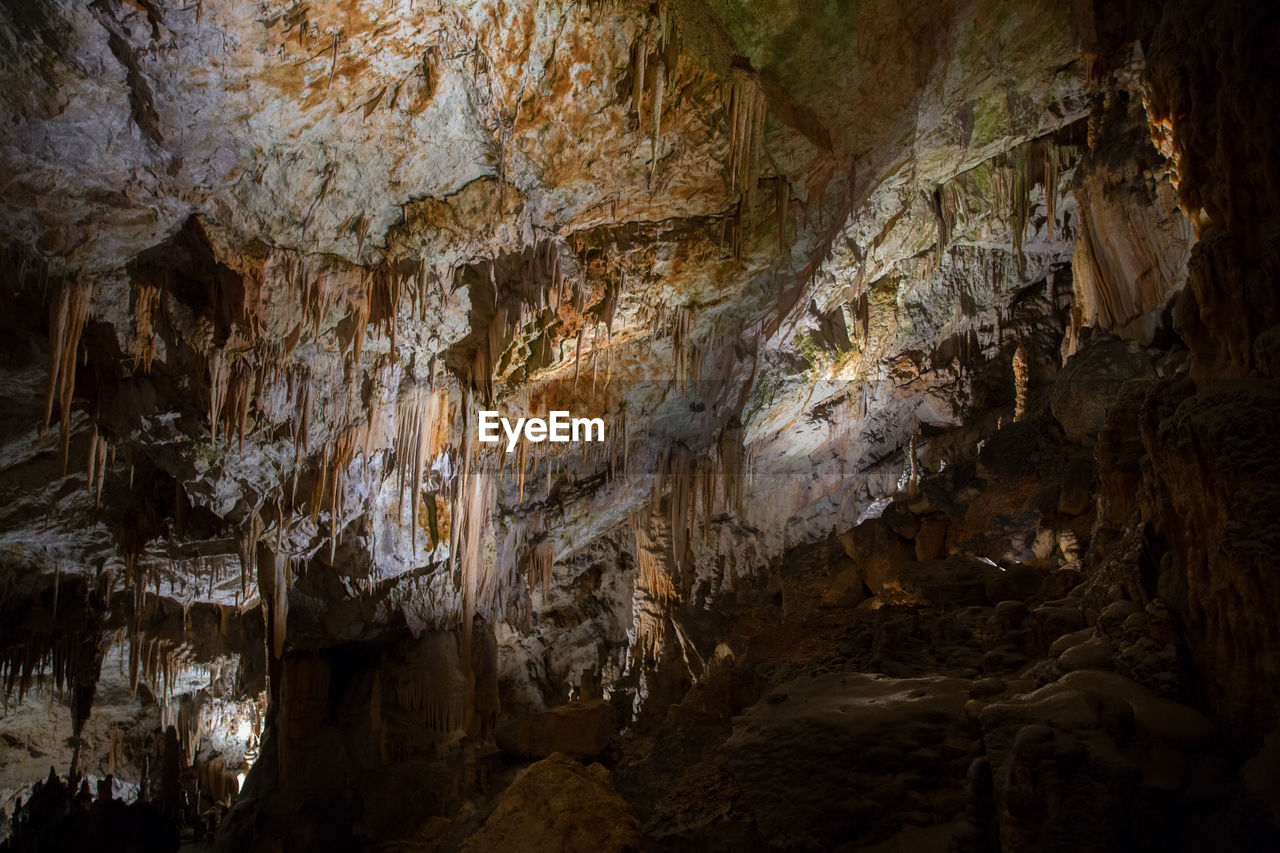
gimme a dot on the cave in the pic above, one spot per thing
(927, 360)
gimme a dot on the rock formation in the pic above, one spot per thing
(937, 346)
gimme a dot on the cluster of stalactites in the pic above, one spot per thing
(422, 431)
(157, 662)
(654, 59)
(696, 487)
(655, 585)
(539, 282)
(49, 660)
(200, 714)
(1037, 162)
(537, 552)
(249, 367)
(553, 459)
(101, 454)
(440, 689)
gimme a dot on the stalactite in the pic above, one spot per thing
(1020, 201)
(1021, 373)
(220, 782)
(538, 557)
(470, 520)
(541, 561)
(1052, 170)
(781, 201)
(247, 543)
(361, 307)
(273, 588)
(502, 326)
(440, 687)
(1037, 162)
(913, 464)
(313, 287)
(681, 332)
(747, 112)
(730, 453)
(146, 305)
(98, 449)
(422, 427)
(677, 470)
(655, 592)
(280, 604)
(67, 315)
(639, 59)
(53, 659)
(659, 86)
(522, 465)
(219, 378)
(944, 213)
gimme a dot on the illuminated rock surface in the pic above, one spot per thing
(937, 346)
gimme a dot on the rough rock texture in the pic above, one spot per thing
(823, 733)
(937, 345)
(579, 730)
(1087, 386)
(557, 804)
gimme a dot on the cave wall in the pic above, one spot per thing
(932, 288)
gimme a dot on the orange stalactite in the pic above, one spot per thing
(67, 315)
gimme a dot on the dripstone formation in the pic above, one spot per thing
(937, 346)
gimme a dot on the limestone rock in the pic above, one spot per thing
(1069, 759)
(580, 730)
(1087, 385)
(559, 805)
(801, 763)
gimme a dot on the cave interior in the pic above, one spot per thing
(936, 349)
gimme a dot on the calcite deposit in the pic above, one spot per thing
(937, 348)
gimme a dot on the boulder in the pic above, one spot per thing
(851, 758)
(1073, 761)
(559, 805)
